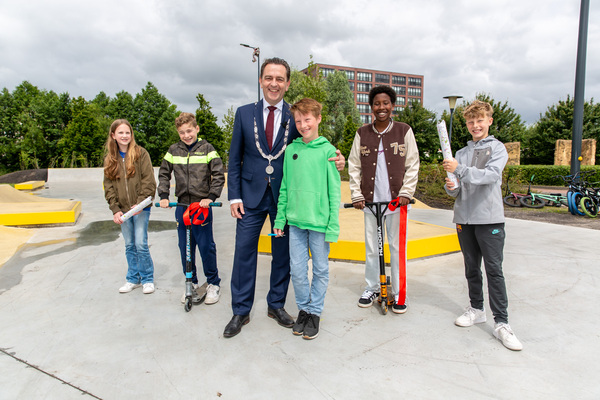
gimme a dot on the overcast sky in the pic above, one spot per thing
(523, 52)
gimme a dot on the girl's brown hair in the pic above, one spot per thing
(112, 169)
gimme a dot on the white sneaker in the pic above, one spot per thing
(213, 293)
(128, 287)
(148, 288)
(195, 295)
(470, 317)
(504, 333)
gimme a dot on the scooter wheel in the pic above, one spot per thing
(188, 304)
(384, 306)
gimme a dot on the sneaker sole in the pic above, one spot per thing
(361, 305)
(310, 337)
(298, 333)
(477, 321)
(210, 302)
(399, 311)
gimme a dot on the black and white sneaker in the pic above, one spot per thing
(399, 308)
(367, 298)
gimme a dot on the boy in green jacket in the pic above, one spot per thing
(309, 201)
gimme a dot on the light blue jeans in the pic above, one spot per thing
(135, 232)
(310, 296)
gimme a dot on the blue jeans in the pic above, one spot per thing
(135, 232)
(310, 296)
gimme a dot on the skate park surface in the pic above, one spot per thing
(68, 334)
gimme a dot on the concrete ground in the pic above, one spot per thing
(68, 334)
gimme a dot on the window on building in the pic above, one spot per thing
(398, 110)
(398, 80)
(350, 75)
(363, 87)
(366, 119)
(400, 101)
(327, 71)
(382, 78)
(351, 86)
(365, 76)
(399, 89)
(362, 97)
(414, 91)
(363, 108)
(414, 82)
(413, 100)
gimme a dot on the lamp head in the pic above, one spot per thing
(452, 100)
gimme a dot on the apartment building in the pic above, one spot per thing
(408, 87)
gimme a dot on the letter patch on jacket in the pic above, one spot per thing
(364, 151)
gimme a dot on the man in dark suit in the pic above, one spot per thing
(261, 132)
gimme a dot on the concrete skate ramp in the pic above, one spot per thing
(25, 209)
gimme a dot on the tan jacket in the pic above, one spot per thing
(123, 193)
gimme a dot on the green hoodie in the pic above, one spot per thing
(310, 196)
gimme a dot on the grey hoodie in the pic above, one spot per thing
(479, 173)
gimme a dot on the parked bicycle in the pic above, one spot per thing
(539, 200)
(513, 199)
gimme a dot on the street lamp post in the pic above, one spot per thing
(255, 56)
(452, 102)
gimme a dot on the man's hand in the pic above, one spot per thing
(164, 203)
(237, 210)
(340, 161)
(450, 164)
(278, 232)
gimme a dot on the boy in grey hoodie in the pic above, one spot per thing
(479, 219)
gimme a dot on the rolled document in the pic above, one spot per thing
(143, 204)
(446, 150)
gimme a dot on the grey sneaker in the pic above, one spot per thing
(504, 333)
(212, 294)
(367, 298)
(470, 317)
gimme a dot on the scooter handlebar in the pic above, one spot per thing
(350, 205)
(174, 204)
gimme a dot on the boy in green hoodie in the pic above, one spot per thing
(309, 201)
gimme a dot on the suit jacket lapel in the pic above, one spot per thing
(260, 124)
(285, 119)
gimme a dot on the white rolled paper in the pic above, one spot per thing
(143, 204)
(446, 150)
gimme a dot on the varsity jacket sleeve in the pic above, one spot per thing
(164, 176)
(355, 171)
(411, 172)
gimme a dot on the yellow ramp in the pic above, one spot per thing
(424, 239)
(29, 185)
(22, 209)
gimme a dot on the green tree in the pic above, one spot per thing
(227, 129)
(154, 122)
(209, 130)
(121, 106)
(423, 123)
(350, 128)
(82, 144)
(339, 105)
(557, 123)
